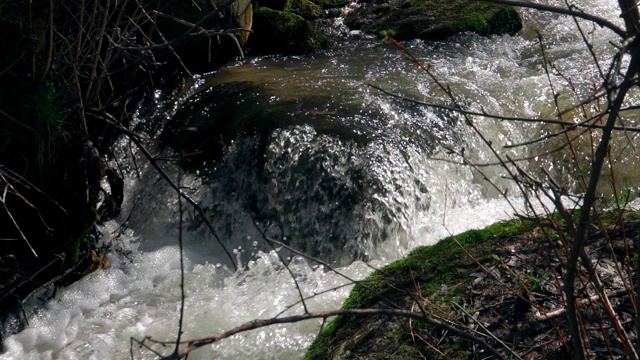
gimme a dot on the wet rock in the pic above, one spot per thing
(305, 8)
(317, 164)
(328, 4)
(295, 162)
(214, 117)
(434, 20)
(280, 32)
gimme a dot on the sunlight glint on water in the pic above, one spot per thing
(139, 296)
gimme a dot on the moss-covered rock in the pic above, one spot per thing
(280, 32)
(444, 264)
(286, 5)
(508, 278)
(305, 8)
(435, 19)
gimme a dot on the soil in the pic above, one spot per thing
(532, 320)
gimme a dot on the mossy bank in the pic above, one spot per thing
(503, 276)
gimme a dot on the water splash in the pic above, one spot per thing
(406, 197)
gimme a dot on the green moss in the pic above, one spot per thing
(422, 275)
(431, 20)
(442, 263)
(305, 8)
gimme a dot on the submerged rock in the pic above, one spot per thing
(434, 20)
(262, 157)
(313, 165)
(211, 119)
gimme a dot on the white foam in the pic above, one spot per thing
(96, 317)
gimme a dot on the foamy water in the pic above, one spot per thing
(422, 200)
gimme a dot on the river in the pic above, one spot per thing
(358, 201)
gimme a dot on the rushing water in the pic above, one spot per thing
(355, 201)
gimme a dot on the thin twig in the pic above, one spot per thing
(559, 10)
(570, 125)
(134, 138)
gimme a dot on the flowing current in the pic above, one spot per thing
(352, 176)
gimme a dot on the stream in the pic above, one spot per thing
(345, 173)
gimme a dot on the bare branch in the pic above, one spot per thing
(559, 10)
(134, 138)
(256, 324)
(568, 124)
(284, 263)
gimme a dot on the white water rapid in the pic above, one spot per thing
(418, 199)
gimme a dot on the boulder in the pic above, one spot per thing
(434, 20)
(297, 162)
(305, 8)
(217, 115)
(280, 32)
(507, 281)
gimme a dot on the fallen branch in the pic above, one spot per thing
(256, 324)
(561, 311)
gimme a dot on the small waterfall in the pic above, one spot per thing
(328, 165)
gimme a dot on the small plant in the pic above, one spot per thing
(534, 281)
(50, 109)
